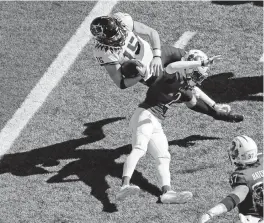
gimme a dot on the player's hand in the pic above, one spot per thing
(243, 219)
(212, 60)
(203, 218)
(142, 70)
(156, 67)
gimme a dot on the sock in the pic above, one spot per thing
(130, 164)
(165, 189)
(202, 107)
(163, 169)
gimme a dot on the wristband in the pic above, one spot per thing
(156, 52)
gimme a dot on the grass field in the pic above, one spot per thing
(66, 165)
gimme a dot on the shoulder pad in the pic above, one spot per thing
(126, 19)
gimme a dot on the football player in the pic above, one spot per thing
(176, 85)
(246, 181)
(118, 39)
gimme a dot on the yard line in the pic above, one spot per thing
(51, 77)
(184, 39)
(261, 58)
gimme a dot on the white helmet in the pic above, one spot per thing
(200, 73)
(243, 151)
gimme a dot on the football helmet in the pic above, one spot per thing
(243, 151)
(109, 31)
(199, 74)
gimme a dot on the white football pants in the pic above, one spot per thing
(148, 135)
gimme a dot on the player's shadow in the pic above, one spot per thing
(257, 3)
(90, 166)
(190, 140)
(223, 88)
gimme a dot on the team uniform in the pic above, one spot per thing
(134, 47)
(252, 177)
(146, 122)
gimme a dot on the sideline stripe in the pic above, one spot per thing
(184, 39)
(51, 77)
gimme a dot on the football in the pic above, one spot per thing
(129, 70)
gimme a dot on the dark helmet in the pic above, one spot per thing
(108, 30)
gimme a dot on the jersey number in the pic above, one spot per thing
(132, 48)
(100, 60)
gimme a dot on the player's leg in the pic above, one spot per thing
(142, 129)
(158, 148)
(198, 104)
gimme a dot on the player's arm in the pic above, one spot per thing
(184, 64)
(238, 195)
(142, 29)
(156, 64)
(114, 72)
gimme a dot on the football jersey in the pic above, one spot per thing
(169, 89)
(251, 176)
(134, 48)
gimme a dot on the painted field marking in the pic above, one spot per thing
(261, 58)
(184, 39)
(51, 77)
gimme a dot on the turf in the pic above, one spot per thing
(67, 163)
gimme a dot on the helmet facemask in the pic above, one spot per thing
(199, 74)
(258, 198)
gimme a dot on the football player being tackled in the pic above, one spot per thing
(176, 85)
(246, 181)
(117, 40)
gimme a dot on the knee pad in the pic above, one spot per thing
(137, 152)
(166, 157)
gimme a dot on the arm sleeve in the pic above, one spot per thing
(126, 19)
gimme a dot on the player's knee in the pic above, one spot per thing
(138, 152)
(192, 102)
(164, 158)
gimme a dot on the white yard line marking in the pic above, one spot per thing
(261, 58)
(184, 39)
(51, 77)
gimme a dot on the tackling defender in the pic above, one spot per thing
(117, 40)
(176, 85)
(246, 181)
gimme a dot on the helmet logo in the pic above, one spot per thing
(98, 29)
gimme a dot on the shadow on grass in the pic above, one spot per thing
(230, 2)
(223, 88)
(257, 3)
(189, 141)
(91, 165)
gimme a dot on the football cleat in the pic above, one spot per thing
(172, 197)
(228, 116)
(126, 191)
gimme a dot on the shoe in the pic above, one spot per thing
(127, 190)
(228, 117)
(172, 197)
